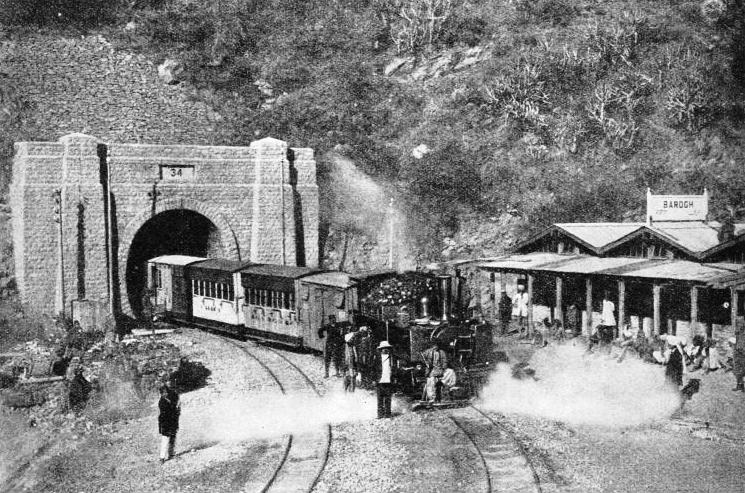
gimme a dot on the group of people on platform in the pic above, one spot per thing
(675, 352)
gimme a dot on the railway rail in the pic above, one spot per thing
(304, 455)
(506, 464)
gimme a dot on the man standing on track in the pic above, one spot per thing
(332, 349)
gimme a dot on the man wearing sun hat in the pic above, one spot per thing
(385, 380)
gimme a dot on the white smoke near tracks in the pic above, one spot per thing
(583, 389)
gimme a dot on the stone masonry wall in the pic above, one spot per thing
(84, 85)
(246, 192)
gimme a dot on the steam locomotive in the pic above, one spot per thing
(288, 304)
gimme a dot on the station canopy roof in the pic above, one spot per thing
(716, 275)
(697, 238)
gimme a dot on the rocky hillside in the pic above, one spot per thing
(482, 120)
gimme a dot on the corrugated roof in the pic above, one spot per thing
(681, 270)
(622, 267)
(334, 279)
(176, 259)
(598, 235)
(693, 236)
(587, 264)
(286, 271)
(221, 264)
(524, 262)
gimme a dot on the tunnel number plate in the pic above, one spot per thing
(177, 173)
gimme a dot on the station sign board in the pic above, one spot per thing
(677, 207)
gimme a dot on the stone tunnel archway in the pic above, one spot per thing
(178, 227)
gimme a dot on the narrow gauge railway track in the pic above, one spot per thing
(506, 464)
(305, 454)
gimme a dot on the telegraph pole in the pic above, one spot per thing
(390, 233)
(110, 243)
(59, 301)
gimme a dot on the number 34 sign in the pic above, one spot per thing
(177, 173)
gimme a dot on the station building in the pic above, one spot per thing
(677, 273)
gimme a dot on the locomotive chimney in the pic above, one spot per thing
(425, 306)
(445, 295)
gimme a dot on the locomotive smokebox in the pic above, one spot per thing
(445, 283)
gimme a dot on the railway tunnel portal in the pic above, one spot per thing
(78, 202)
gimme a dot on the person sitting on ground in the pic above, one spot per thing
(58, 367)
(554, 328)
(78, 391)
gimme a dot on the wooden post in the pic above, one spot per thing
(559, 310)
(588, 307)
(656, 288)
(693, 330)
(733, 307)
(502, 283)
(530, 304)
(621, 307)
(496, 295)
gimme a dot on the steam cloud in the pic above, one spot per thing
(582, 389)
(357, 203)
(263, 416)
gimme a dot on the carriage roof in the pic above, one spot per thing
(220, 264)
(176, 259)
(335, 279)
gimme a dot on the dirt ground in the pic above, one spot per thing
(412, 452)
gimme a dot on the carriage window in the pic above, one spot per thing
(231, 292)
(157, 278)
(220, 290)
(291, 299)
(193, 286)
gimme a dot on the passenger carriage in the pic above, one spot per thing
(214, 291)
(168, 277)
(270, 304)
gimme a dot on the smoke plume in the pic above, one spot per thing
(578, 388)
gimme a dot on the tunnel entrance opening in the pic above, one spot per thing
(174, 232)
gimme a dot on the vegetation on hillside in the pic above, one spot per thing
(577, 109)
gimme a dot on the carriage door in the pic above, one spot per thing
(317, 316)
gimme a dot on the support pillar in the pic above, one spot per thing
(693, 330)
(496, 295)
(559, 309)
(656, 289)
(733, 307)
(502, 283)
(588, 307)
(530, 304)
(621, 307)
